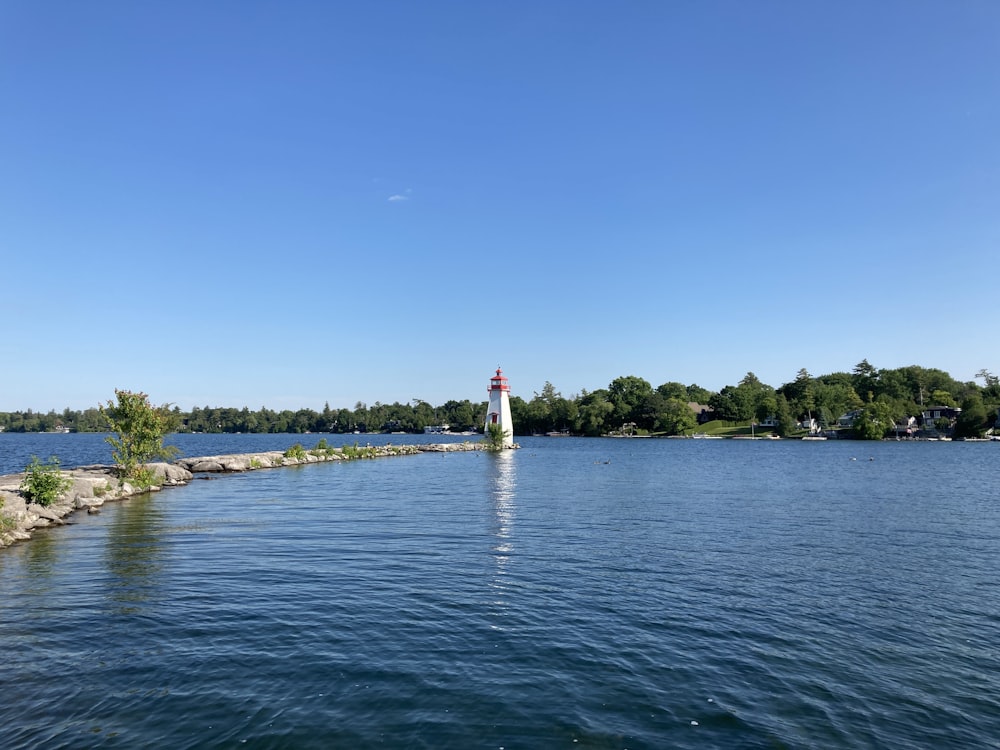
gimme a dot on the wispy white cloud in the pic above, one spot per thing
(398, 197)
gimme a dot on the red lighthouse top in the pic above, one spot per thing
(498, 382)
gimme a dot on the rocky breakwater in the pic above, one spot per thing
(295, 457)
(92, 486)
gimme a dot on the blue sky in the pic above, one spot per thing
(285, 204)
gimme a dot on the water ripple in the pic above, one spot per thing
(684, 595)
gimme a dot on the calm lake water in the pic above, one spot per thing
(576, 593)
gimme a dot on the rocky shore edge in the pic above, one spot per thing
(93, 486)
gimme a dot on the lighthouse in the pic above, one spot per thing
(499, 408)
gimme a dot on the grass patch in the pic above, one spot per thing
(323, 449)
(353, 451)
(6, 522)
(722, 428)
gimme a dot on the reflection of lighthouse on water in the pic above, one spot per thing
(503, 491)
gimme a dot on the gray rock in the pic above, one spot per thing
(49, 513)
(170, 474)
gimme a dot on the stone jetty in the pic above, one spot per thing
(92, 486)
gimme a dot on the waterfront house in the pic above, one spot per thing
(809, 424)
(930, 415)
(847, 420)
(702, 412)
(905, 426)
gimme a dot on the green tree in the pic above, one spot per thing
(864, 380)
(676, 417)
(593, 412)
(783, 417)
(988, 378)
(801, 394)
(942, 398)
(873, 422)
(971, 421)
(628, 394)
(835, 394)
(519, 415)
(647, 412)
(698, 394)
(729, 405)
(139, 429)
(991, 386)
(673, 390)
(90, 420)
(564, 413)
(423, 414)
(540, 408)
(751, 399)
(460, 415)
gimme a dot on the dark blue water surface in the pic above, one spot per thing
(80, 449)
(575, 593)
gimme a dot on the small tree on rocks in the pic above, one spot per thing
(139, 429)
(494, 437)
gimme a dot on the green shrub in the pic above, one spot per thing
(43, 484)
(296, 451)
(143, 477)
(494, 437)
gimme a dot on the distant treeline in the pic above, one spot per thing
(629, 402)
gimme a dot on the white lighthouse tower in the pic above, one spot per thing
(499, 408)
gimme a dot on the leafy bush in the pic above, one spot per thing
(296, 451)
(43, 483)
(494, 437)
(873, 421)
(143, 477)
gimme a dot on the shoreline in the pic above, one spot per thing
(93, 486)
